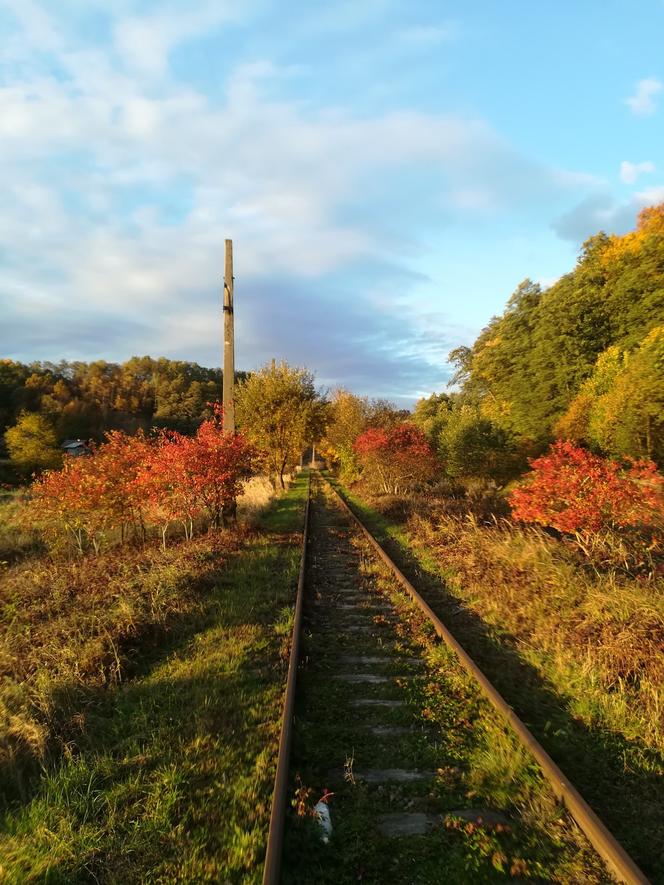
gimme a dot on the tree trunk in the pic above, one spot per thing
(649, 445)
(229, 514)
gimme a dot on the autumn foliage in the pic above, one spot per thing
(581, 494)
(397, 459)
(131, 482)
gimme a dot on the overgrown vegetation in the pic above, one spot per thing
(529, 501)
(575, 649)
(130, 483)
(439, 724)
(85, 400)
(613, 512)
(397, 460)
(141, 699)
(545, 555)
(33, 444)
(583, 360)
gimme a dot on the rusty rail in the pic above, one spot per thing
(609, 849)
(272, 868)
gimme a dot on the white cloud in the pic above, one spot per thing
(145, 41)
(124, 183)
(474, 199)
(599, 211)
(575, 180)
(38, 29)
(642, 103)
(629, 172)
(651, 196)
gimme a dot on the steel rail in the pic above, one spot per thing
(603, 841)
(272, 867)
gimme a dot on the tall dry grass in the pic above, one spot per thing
(257, 493)
(598, 637)
(72, 625)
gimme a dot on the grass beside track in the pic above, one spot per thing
(497, 610)
(154, 761)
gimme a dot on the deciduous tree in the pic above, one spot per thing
(396, 460)
(471, 445)
(348, 416)
(281, 413)
(32, 444)
(620, 408)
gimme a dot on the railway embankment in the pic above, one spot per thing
(575, 651)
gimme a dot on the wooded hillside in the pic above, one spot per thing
(582, 360)
(84, 400)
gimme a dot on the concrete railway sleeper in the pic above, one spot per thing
(422, 779)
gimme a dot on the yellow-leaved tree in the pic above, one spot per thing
(348, 417)
(620, 408)
(32, 444)
(280, 411)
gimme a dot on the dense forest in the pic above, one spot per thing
(582, 360)
(84, 400)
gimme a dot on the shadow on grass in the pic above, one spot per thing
(620, 778)
(169, 771)
(168, 763)
(286, 515)
(178, 758)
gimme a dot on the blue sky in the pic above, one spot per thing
(389, 172)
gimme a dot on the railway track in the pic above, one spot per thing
(381, 724)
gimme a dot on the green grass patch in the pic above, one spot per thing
(155, 761)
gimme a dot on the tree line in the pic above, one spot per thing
(85, 400)
(582, 360)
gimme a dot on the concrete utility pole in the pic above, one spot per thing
(229, 342)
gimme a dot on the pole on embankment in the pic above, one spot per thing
(229, 509)
(229, 342)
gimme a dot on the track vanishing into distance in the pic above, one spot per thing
(359, 679)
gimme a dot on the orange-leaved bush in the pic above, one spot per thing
(90, 496)
(593, 498)
(217, 464)
(163, 482)
(395, 460)
(131, 480)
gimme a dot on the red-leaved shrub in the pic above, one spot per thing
(584, 495)
(395, 460)
(129, 481)
(572, 490)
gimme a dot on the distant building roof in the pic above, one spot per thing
(75, 447)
